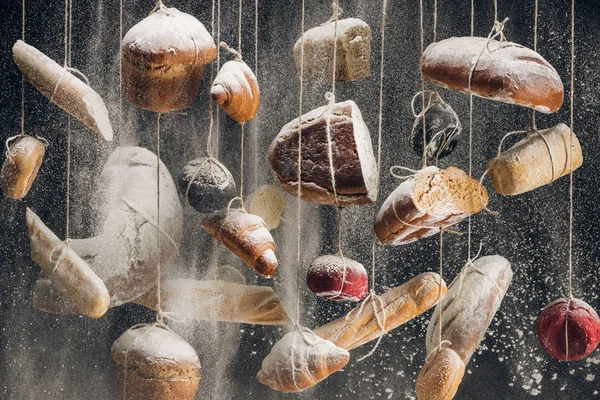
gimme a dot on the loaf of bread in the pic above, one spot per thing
(246, 235)
(299, 361)
(71, 275)
(63, 88)
(400, 304)
(163, 60)
(353, 56)
(206, 184)
(440, 376)
(154, 363)
(268, 202)
(470, 305)
(235, 90)
(338, 278)
(506, 72)
(531, 163)
(424, 203)
(21, 165)
(355, 169)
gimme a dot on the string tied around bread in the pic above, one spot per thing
(443, 345)
(470, 264)
(237, 54)
(497, 31)
(62, 248)
(531, 131)
(336, 13)
(213, 163)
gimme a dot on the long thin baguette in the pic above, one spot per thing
(401, 304)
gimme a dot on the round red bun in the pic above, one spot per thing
(337, 278)
(583, 328)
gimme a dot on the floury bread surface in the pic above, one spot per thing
(355, 169)
(424, 203)
(21, 165)
(163, 60)
(506, 72)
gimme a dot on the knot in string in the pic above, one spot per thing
(444, 344)
(412, 174)
(309, 337)
(8, 143)
(58, 253)
(237, 54)
(433, 98)
(336, 12)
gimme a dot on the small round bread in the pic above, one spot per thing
(206, 185)
(163, 59)
(267, 202)
(337, 278)
(439, 378)
(21, 166)
(154, 363)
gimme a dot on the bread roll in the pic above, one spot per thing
(21, 166)
(63, 88)
(301, 360)
(246, 235)
(401, 304)
(439, 378)
(355, 169)
(424, 203)
(470, 305)
(163, 59)
(338, 278)
(154, 363)
(71, 275)
(528, 164)
(507, 72)
(353, 58)
(235, 89)
(206, 184)
(442, 130)
(268, 202)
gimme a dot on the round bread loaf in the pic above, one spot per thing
(21, 166)
(163, 59)
(154, 363)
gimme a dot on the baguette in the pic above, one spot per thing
(400, 304)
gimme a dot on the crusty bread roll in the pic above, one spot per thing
(424, 203)
(63, 88)
(163, 59)
(235, 89)
(353, 59)
(439, 378)
(401, 304)
(246, 235)
(470, 305)
(355, 169)
(72, 276)
(21, 166)
(301, 360)
(154, 363)
(528, 164)
(507, 72)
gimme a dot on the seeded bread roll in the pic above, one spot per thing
(163, 59)
(506, 72)
(355, 169)
(528, 164)
(154, 363)
(431, 199)
(440, 377)
(353, 58)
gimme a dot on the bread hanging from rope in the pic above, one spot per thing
(539, 159)
(355, 169)
(63, 88)
(300, 360)
(71, 275)
(268, 202)
(163, 60)
(442, 130)
(206, 184)
(246, 235)
(503, 71)
(353, 55)
(154, 363)
(470, 305)
(440, 376)
(400, 304)
(424, 203)
(235, 90)
(337, 278)
(21, 166)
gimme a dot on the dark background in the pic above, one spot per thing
(68, 357)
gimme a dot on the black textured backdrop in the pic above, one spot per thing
(45, 356)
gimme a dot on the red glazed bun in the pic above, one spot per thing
(337, 278)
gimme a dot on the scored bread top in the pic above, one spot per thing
(156, 353)
(169, 36)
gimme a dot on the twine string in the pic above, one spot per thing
(22, 75)
(535, 43)
(422, 42)
(210, 103)
(159, 312)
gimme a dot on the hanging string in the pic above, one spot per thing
(255, 121)
(434, 20)
(240, 28)
(469, 226)
(239, 49)
(210, 103)
(218, 116)
(423, 84)
(120, 68)
(339, 230)
(572, 122)
(22, 76)
(159, 313)
(495, 10)
(67, 64)
(440, 299)
(299, 174)
(472, 17)
(535, 40)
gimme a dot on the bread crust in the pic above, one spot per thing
(21, 166)
(440, 377)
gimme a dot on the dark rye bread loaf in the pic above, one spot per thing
(352, 153)
(154, 363)
(506, 72)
